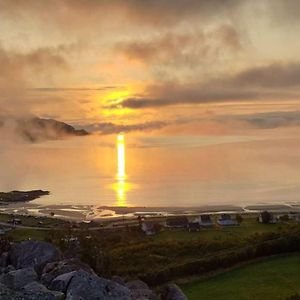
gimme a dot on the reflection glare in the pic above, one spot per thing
(121, 157)
(121, 186)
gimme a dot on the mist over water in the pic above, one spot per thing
(164, 171)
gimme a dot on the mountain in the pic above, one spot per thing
(35, 129)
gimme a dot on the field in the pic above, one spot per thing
(273, 278)
(248, 227)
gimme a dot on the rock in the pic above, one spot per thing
(4, 259)
(137, 285)
(8, 269)
(143, 294)
(37, 291)
(34, 254)
(8, 294)
(173, 292)
(90, 287)
(19, 278)
(52, 270)
(61, 282)
(118, 280)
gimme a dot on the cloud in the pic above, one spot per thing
(274, 75)
(22, 70)
(271, 82)
(186, 47)
(91, 12)
(111, 128)
(268, 120)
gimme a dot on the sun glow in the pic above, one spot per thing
(121, 175)
(121, 186)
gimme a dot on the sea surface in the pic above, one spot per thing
(155, 171)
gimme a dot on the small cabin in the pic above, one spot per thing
(177, 222)
(205, 221)
(227, 220)
(267, 218)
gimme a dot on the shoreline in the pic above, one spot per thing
(108, 213)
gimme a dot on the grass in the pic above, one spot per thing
(34, 221)
(248, 227)
(273, 278)
(18, 235)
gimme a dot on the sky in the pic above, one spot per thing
(220, 67)
(212, 85)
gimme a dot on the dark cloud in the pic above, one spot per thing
(151, 12)
(110, 128)
(267, 120)
(275, 75)
(185, 47)
(271, 82)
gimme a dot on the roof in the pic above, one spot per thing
(205, 219)
(177, 221)
(225, 217)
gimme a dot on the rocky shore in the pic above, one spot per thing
(21, 196)
(33, 270)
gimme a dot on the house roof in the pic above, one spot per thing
(177, 221)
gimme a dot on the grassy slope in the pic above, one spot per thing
(273, 278)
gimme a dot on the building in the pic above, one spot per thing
(267, 218)
(226, 220)
(177, 222)
(204, 220)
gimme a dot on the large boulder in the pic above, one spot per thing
(173, 292)
(139, 290)
(137, 285)
(37, 291)
(118, 279)
(32, 291)
(34, 254)
(54, 269)
(143, 294)
(90, 287)
(19, 278)
(4, 260)
(8, 294)
(61, 282)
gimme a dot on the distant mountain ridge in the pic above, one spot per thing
(34, 129)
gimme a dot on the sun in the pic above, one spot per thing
(115, 99)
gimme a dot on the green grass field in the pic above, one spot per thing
(248, 227)
(273, 278)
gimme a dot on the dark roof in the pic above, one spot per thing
(225, 217)
(205, 218)
(177, 221)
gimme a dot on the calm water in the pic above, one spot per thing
(156, 171)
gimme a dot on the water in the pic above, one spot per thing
(156, 170)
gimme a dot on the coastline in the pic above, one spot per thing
(103, 213)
